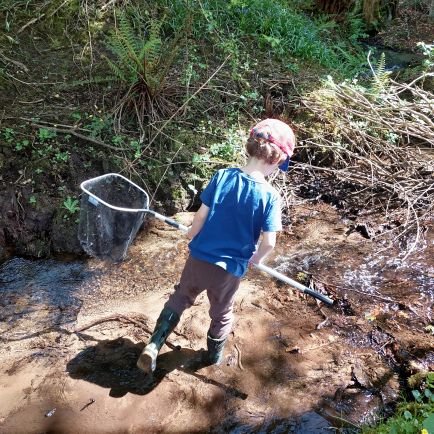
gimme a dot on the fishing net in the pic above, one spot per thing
(111, 212)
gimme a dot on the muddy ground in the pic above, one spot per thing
(72, 332)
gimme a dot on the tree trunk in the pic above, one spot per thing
(374, 11)
(334, 7)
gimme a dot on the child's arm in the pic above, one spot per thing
(198, 221)
(265, 247)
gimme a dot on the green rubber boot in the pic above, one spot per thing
(214, 355)
(166, 322)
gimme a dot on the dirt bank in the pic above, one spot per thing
(288, 361)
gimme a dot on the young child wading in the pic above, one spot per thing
(237, 205)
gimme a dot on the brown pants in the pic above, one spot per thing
(220, 287)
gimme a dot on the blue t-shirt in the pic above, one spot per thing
(239, 208)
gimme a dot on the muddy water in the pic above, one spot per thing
(392, 284)
(301, 369)
(38, 295)
(385, 304)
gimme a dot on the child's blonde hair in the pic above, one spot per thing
(264, 150)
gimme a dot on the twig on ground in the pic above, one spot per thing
(80, 136)
(372, 143)
(240, 365)
(15, 62)
(141, 323)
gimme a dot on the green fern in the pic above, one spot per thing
(381, 77)
(138, 59)
(124, 45)
(118, 73)
(128, 41)
(151, 57)
(141, 62)
(151, 50)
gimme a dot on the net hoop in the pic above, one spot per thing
(83, 186)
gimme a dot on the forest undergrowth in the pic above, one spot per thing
(166, 91)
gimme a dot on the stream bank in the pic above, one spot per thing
(73, 331)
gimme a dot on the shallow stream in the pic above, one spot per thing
(355, 359)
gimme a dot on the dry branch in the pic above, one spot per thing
(133, 318)
(378, 142)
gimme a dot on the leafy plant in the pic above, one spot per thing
(135, 146)
(71, 205)
(380, 77)
(23, 144)
(227, 151)
(97, 125)
(278, 27)
(356, 25)
(428, 51)
(62, 156)
(8, 134)
(285, 31)
(413, 417)
(46, 134)
(143, 59)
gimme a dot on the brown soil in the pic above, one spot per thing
(286, 356)
(406, 30)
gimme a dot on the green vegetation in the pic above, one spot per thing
(71, 205)
(412, 417)
(163, 112)
(380, 79)
(428, 51)
(142, 63)
(272, 28)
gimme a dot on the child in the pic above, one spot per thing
(236, 206)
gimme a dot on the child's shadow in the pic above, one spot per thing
(112, 364)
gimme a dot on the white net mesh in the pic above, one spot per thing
(105, 231)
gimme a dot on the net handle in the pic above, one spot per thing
(167, 220)
(272, 272)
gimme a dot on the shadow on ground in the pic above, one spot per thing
(112, 364)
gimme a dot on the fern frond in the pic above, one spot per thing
(381, 76)
(381, 65)
(128, 40)
(119, 46)
(151, 51)
(141, 63)
(128, 33)
(119, 74)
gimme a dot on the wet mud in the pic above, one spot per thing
(72, 332)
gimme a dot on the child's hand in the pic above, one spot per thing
(265, 247)
(255, 259)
